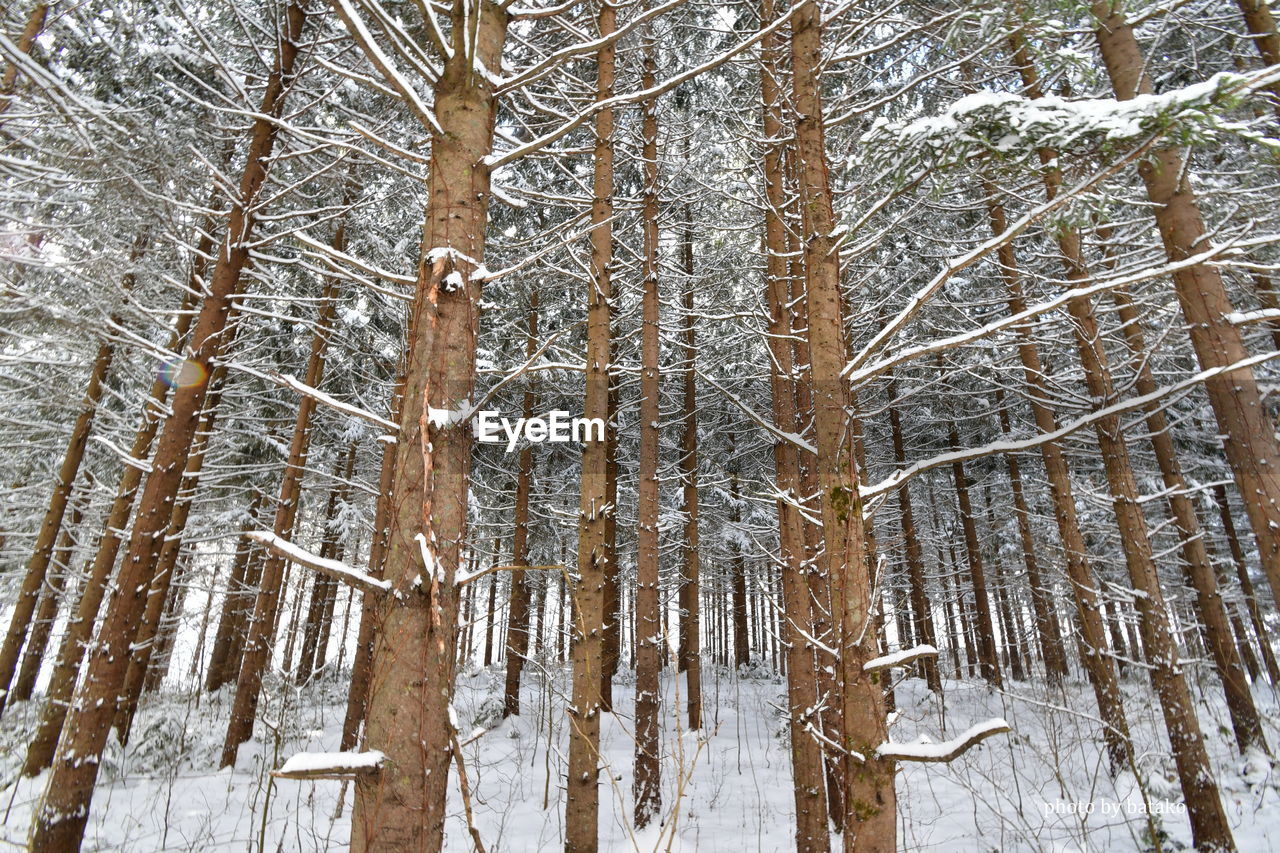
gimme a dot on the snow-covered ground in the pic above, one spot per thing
(725, 789)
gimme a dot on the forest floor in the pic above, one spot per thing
(725, 789)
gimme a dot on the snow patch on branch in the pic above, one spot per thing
(330, 765)
(899, 658)
(333, 568)
(947, 750)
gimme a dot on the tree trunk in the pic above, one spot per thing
(1246, 584)
(582, 805)
(1048, 630)
(411, 676)
(1092, 640)
(922, 616)
(223, 665)
(611, 647)
(324, 589)
(869, 799)
(358, 692)
(690, 623)
(1197, 561)
(66, 671)
(1261, 24)
(518, 610)
(647, 787)
(166, 564)
(490, 620)
(1204, 806)
(35, 25)
(47, 612)
(988, 661)
(812, 835)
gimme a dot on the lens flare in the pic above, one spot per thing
(184, 373)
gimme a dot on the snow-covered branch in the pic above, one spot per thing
(333, 568)
(947, 750)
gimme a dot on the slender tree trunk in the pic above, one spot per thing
(812, 835)
(490, 621)
(690, 624)
(358, 692)
(518, 610)
(1246, 584)
(869, 799)
(223, 666)
(64, 808)
(647, 788)
(324, 589)
(1196, 559)
(1204, 806)
(1048, 629)
(988, 660)
(611, 647)
(582, 807)
(38, 564)
(1261, 24)
(922, 615)
(166, 564)
(262, 624)
(47, 612)
(1197, 564)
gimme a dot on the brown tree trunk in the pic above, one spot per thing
(38, 564)
(1261, 24)
(921, 611)
(869, 799)
(166, 564)
(1010, 641)
(518, 609)
(1204, 806)
(582, 805)
(411, 678)
(809, 789)
(738, 578)
(1246, 584)
(1048, 630)
(64, 808)
(1249, 442)
(1197, 564)
(47, 612)
(988, 661)
(647, 782)
(490, 621)
(690, 623)
(611, 647)
(1197, 561)
(262, 624)
(324, 589)
(223, 665)
(358, 692)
